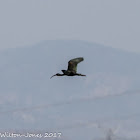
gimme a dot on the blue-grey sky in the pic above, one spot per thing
(109, 22)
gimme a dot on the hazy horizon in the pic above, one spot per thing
(38, 38)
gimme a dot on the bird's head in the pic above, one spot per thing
(57, 74)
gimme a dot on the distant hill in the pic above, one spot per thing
(25, 83)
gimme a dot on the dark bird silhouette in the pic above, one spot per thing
(72, 68)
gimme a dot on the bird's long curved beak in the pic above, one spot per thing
(52, 76)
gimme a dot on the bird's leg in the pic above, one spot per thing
(82, 75)
(79, 74)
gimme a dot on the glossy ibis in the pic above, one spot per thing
(72, 68)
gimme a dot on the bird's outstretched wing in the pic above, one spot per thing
(72, 64)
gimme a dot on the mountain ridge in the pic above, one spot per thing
(25, 82)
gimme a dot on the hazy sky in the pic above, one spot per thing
(109, 22)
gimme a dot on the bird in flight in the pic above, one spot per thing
(72, 68)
